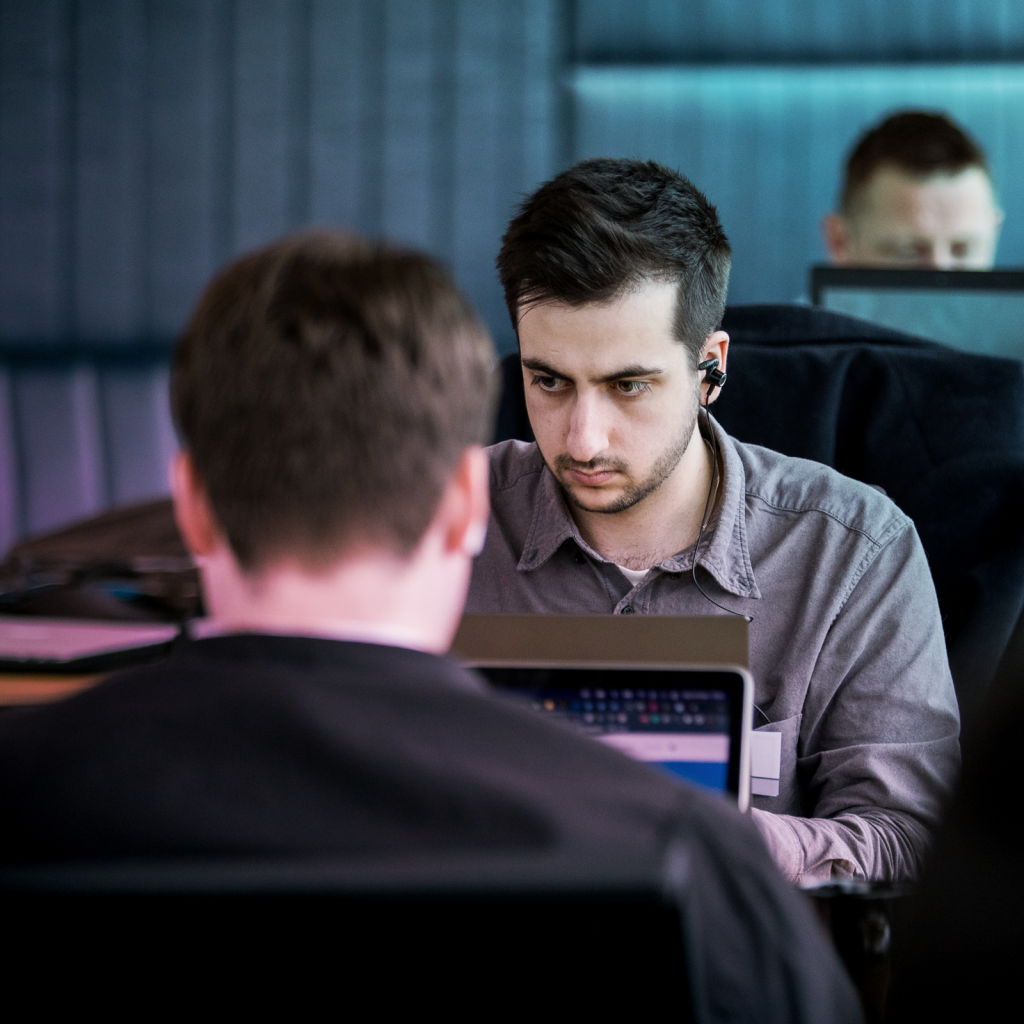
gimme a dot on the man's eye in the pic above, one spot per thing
(631, 387)
(550, 383)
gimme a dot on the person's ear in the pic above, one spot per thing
(835, 230)
(716, 347)
(192, 512)
(468, 503)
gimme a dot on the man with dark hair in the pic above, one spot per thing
(917, 193)
(333, 491)
(631, 502)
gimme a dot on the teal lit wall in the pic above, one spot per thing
(767, 143)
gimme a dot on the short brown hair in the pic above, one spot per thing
(325, 391)
(915, 141)
(606, 224)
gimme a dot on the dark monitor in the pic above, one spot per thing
(977, 311)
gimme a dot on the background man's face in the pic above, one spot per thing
(949, 222)
(611, 394)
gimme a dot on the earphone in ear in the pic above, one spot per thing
(712, 374)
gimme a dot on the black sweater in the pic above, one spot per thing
(252, 745)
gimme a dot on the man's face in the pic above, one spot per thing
(611, 394)
(949, 222)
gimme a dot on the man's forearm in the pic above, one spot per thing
(875, 845)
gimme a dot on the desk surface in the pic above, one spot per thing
(42, 689)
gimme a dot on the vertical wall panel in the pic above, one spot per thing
(138, 432)
(499, 103)
(190, 56)
(300, 102)
(541, 135)
(10, 484)
(477, 151)
(347, 72)
(110, 156)
(36, 100)
(337, 106)
(261, 110)
(58, 422)
(408, 122)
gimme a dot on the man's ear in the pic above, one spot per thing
(716, 347)
(835, 230)
(466, 503)
(196, 521)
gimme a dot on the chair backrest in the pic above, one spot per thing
(939, 430)
(81, 428)
(513, 926)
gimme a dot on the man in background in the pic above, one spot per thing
(917, 193)
(333, 491)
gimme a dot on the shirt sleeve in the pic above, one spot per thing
(878, 749)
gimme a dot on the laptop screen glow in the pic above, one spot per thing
(664, 717)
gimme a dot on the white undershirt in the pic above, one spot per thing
(636, 575)
(633, 575)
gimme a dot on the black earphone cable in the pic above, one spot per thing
(707, 507)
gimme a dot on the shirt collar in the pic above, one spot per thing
(723, 548)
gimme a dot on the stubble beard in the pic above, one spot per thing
(636, 491)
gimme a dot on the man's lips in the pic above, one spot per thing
(591, 478)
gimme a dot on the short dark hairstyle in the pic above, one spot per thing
(604, 225)
(325, 391)
(918, 142)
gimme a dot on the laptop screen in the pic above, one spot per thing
(688, 722)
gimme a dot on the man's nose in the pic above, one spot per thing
(588, 432)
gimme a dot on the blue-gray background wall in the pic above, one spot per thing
(145, 142)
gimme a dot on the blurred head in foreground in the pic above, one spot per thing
(332, 399)
(917, 193)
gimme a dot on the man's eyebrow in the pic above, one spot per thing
(541, 367)
(629, 371)
(622, 374)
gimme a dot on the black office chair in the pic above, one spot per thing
(458, 933)
(939, 430)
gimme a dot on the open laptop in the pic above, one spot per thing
(36, 644)
(656, 688)
(974, 310)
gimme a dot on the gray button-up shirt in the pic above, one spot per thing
(846, 644)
